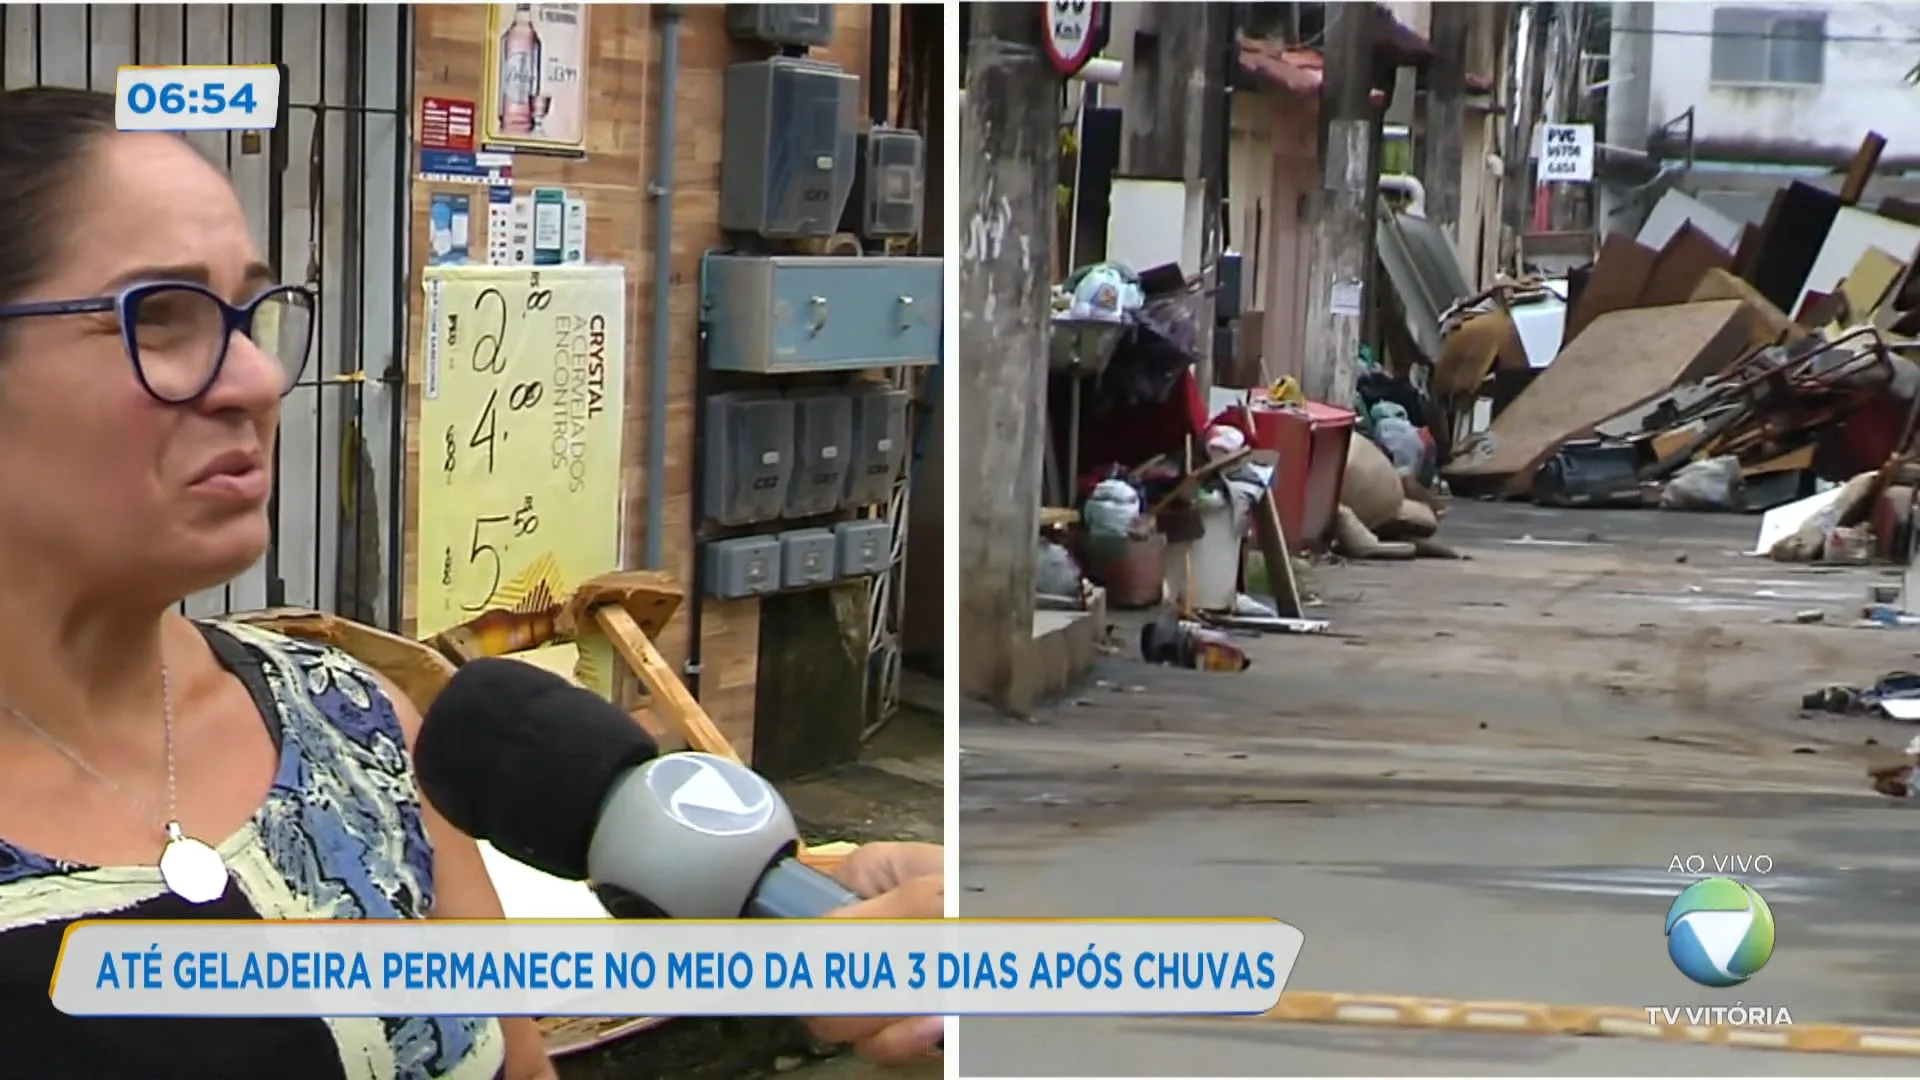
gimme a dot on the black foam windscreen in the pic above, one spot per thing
(523, 759)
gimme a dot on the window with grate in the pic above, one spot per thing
(1761, 47)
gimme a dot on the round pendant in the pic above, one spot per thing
(192, 870)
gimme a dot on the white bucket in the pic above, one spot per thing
(1215, 557)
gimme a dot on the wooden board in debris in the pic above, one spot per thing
(1624, 358)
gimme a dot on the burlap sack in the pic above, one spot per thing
(1372, 489)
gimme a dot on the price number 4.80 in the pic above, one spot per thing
(486, 433)
(491, 538)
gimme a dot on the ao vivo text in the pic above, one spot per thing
(1721, 865)
(691, 970)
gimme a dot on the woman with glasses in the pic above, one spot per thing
(154, 767)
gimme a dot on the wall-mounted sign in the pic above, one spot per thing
(446, 124)
(1566, 153)
(521, 417)
(1072, 33)
(536, 99)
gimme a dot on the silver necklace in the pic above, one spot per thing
(192, 869)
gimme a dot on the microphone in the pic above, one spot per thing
(557, 777)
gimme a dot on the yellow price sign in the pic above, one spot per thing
(520, 422)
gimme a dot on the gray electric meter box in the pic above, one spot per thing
(788, 147)
(782, 24)
(749, 456)
(879, 445)
(863, 547)
(742, 567)
(822, 448)
(888, 185)
(806, 558)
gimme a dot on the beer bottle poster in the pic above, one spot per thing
(522, 400)
(536, 88)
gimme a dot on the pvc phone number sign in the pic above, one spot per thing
(520, 424)
(1566, 153)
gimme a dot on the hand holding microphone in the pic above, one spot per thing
(901, 881)
(558, 778)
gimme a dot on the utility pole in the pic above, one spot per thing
(1172, 121)
(1440, 149)
(1343, 217)
(1009, 166)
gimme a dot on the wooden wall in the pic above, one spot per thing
(623, 86)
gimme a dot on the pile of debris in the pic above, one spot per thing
(1676, 379)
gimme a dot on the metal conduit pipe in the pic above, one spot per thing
(659, 360)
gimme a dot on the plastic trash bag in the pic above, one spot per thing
(1104, 291)
(1403, 444)
(1112, 508)
(1056, 573)
(1714, 484)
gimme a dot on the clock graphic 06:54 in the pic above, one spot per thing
(224, 97)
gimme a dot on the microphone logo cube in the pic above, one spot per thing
(712, 795)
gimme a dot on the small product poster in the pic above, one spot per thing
(575, 232)
(500, 226)
(449, 226)
(446, 124)
(549, 226)
(521, 245)
(536, 79)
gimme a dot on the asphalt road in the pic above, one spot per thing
(1476, 795)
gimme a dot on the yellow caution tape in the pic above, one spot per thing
(1539, 1018)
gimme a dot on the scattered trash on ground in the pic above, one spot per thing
(1896, 696)
(1190, 645)
(1898, 779)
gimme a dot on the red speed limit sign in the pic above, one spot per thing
(1072, 33)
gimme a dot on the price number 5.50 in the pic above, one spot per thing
(490, 540)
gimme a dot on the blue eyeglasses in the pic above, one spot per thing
(177, 333)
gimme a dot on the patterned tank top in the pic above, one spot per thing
(340, 836)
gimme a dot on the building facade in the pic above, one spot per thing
(1746, 95)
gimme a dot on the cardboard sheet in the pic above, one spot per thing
(1869, 282)
(1677, 209)
(1619, 274)
(1783, 521)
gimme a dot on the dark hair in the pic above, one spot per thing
(46, 133)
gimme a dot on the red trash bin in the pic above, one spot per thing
(1312, 444)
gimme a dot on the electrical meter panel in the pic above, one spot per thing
(806, 557)
(782, 24)
(742, 567)
(749, 456)
(863, 547)
(879, 445)
(777, 314)
(888, 183)
(787, 147)
(822, 437)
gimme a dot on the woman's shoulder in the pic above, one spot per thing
(312, 679)
(343, 823)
